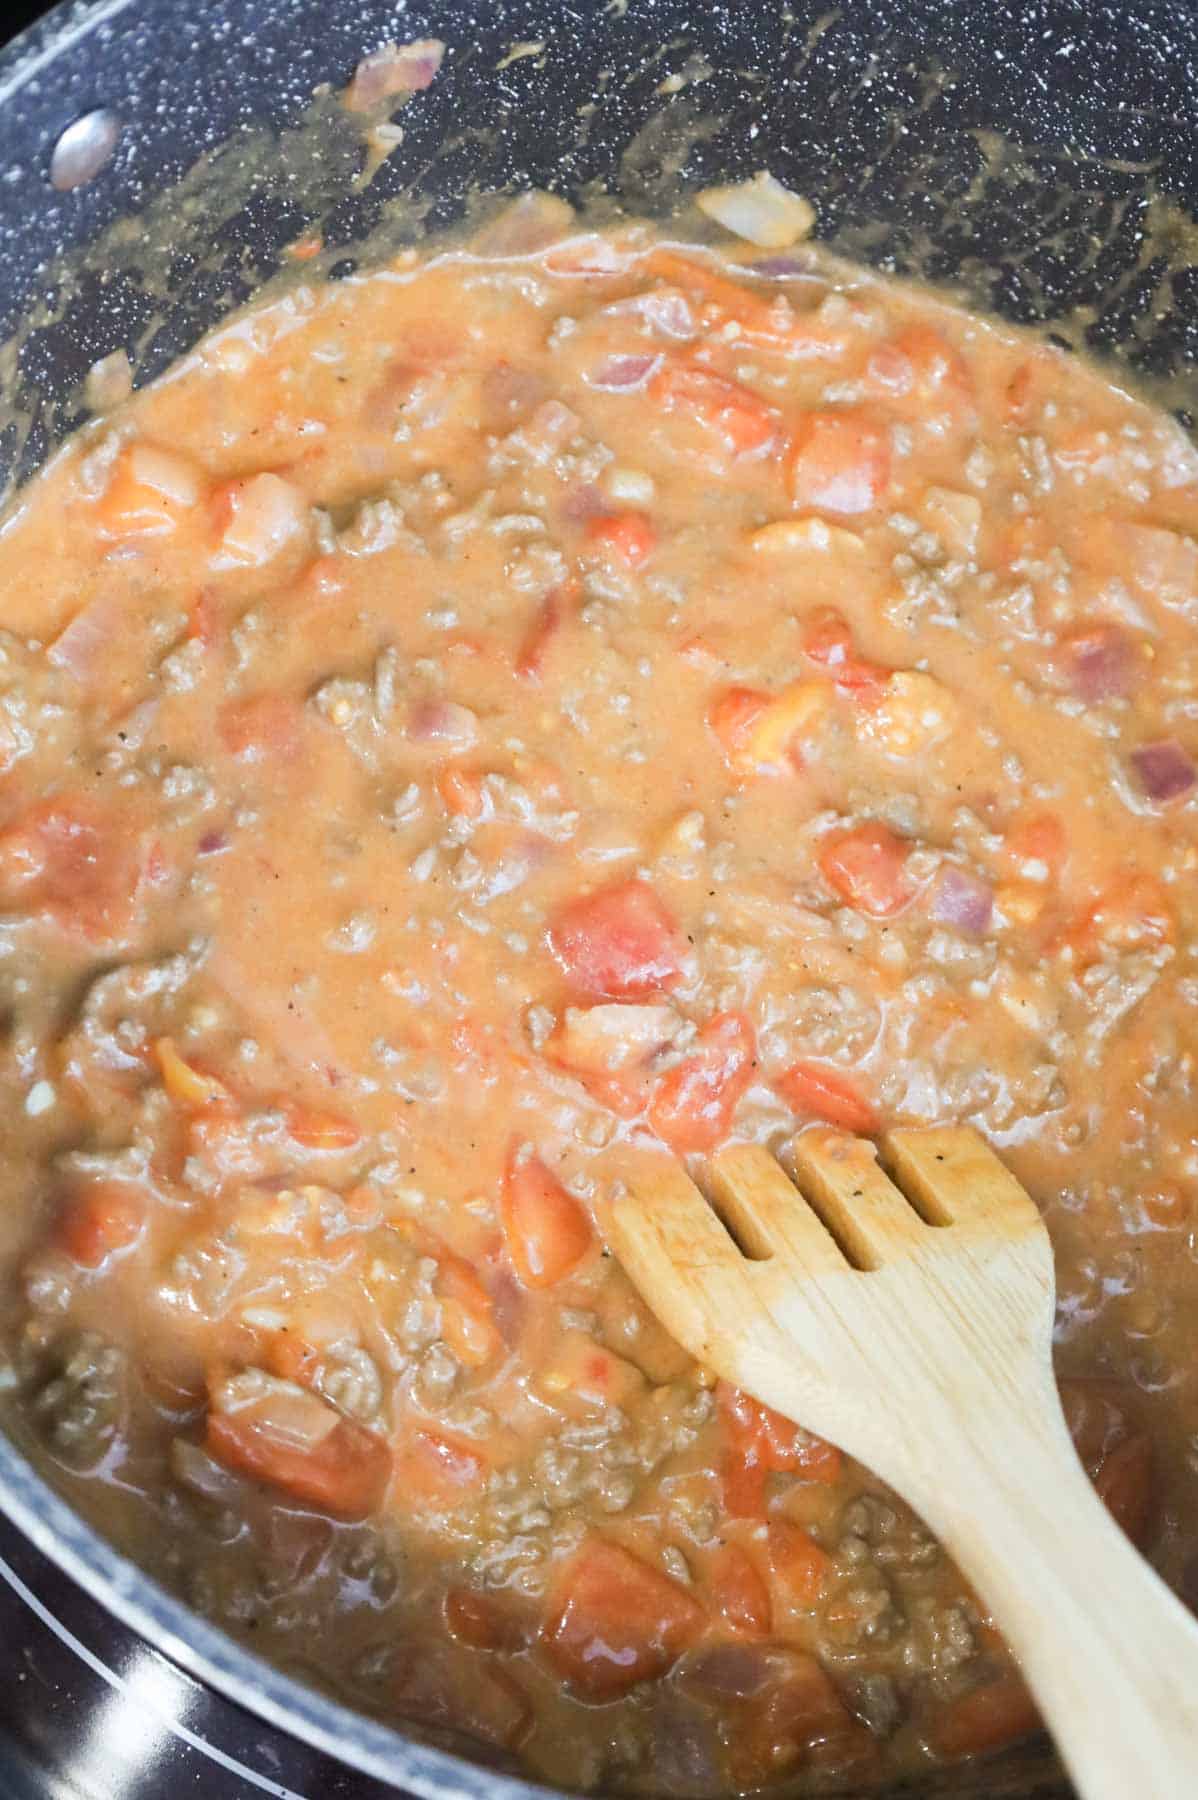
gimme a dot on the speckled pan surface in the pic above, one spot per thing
(1039, 157)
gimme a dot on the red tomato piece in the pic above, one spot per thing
(545, 1229)
(743, 424)
(799, 1719)
(829, 642)
(82, 869)
(985, 1719)
(800, 1565)
(628, 535)
(262, 728)
(614, 1621)
(100, 1219)
(619, 943)
(867, 867)
(693, 1105)
(461, 791)
(467, 1312)
(484, 1621)
(759, 1442)
(739, 1594)
(344, 1474)
(733, 716)
(812, 1087)
(443, 1686)
(838, 463)
(1037, 838)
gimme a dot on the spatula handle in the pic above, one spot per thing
(1109, 1652)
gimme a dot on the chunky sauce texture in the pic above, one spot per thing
(476, 729)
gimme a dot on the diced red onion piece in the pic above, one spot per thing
(961, 900)
(667, 311)
(1163, 771)
(584, 502)
(781, 268)
(212, 843)
(621, 374)
(86, 637)
(442, 722)
(1100, 663)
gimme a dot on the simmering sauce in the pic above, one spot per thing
(475, 728)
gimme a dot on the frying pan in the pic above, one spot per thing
(1038, 157)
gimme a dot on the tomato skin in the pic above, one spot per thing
(693, 1105)
(345, 1474)
(615, 1621)
(619, 943)
(867, 867)
(83, 870)
(838, 463)
(546, 1230)
(812, 1087)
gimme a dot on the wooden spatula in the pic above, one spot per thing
(909, 1320)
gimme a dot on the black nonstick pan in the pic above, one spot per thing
(1039, 159)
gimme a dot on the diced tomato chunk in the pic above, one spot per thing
(262, 728)
(735, 416)
(628, 535)
(440, 1685)
(828, 641)
(734, 716)
(759, 1442)
(546, 1230)
(83, 869)
(998, 1713)
(738, 1591)
(1036, 838)
(867, 867)
(619, 943)
(467, 1312)
(344, 1474)
(799, 1720)
(614, 1621)
(461, 791)
(693, 1105)
(99, 1219)
(435, 1465)
(800, 1564)
(812, 1087)
(838, 463)
(484, 1621)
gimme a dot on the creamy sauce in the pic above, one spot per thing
(477, 728)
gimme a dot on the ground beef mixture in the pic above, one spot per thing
(473, 729)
